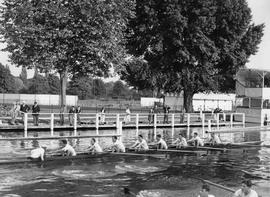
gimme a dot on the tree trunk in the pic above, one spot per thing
(188, 98)
(63, 87)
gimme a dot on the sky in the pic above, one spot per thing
(261, 14)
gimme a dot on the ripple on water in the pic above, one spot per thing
(136, 169)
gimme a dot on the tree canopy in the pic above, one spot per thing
(7, 83)
(68, 36)
(200, 44)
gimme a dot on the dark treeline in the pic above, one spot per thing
(85, 87)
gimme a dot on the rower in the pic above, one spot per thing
(246, 190)
(140, 144)
(161, 144)
(196, 140)
(94, 147)
(68, 150)
(38, 153)
(117, 146)
(180, 142)
(215, 140)
(205, 191)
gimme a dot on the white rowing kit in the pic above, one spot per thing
(38, 153)
(119, 146)
(69, 150)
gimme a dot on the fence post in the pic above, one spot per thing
(203, 123)
(25, 124)
(209, 125)
(137, 124)
(155, 120)
(218, 121)
(75, 124)
(243, 119)
(224, 117)
(172, 120)
(97, 123)
(117, 120)
(52, 123)
(188, 124)
(231, 120)
(120, 130)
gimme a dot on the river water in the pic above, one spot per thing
(173, 177)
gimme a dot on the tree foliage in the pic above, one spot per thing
(23, 75)
(68, 36)
(119, 89)
(98, 89)
(7, 83)
(54, 84)
(38, 85)
(199, 43)
(81, 86)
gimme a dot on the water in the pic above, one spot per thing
(174, 176)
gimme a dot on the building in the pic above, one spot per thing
(202, 101)
(253, 94)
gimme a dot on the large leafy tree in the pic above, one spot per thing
(54, 83)
(23, 75)
(98, 88)
(68, 36)
(7, 83)
(200, 44)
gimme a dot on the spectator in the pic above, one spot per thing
(166, 114)
(102, 115)
(150, 115)
(71, 113)
(127, 118)
(78, 112)
(24, 109)
(35, 113)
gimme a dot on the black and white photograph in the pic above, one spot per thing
(134, 98)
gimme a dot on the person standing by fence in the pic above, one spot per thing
(166, 114)
(127, 118)
(78, 111)
(35, 113)
(71, 113)
(24, 109)
(102, 116)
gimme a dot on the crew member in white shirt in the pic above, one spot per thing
(94, 147)
(205, 191)
(161, 144)
(68, 150)
(215, 139)
(180, 142)
(140, 144)
(246, 190)
(117, 146)
(38, 153)
(196, 140)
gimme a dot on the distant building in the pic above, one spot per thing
(253, 94)
(202, 101)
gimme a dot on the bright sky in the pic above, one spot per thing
(261, 14)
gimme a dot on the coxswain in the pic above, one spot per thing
(205, 191)
(180, 142)
(68, 150)
(140, 144)
(196, 140)
(94, 147)
(161, 144)
(117, 146)
(246, 190)
(38, 153)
